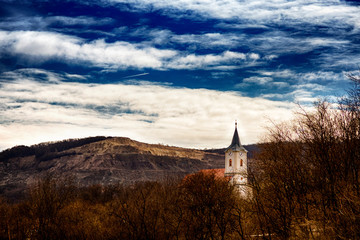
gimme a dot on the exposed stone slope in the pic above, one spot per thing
(103, 160)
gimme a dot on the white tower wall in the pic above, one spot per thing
(236, 165)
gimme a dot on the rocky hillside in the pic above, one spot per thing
(100, 160)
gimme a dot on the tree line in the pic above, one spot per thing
(201, 206)
(47, 151)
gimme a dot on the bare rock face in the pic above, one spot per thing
(100, 160)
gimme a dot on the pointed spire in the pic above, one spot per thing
(235, 143)
(236, 139)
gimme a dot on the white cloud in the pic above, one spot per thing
(336, 18)
(42, 46)
(42, 22)
(258, 80)
(240, 26)
(35, 74)
(46, 45)
(299, 95)
(311, 86)
(281, 84)
(320, 76)
(305, 93)
(304, 96)
(321, 12)
(306, 77)
(43, 111)
(193, 61)
(316, 41)
(304, 88)
(343, 59)
(263, 81)
(287, 73)
(80, 20)
(209, 40)
(282, 43)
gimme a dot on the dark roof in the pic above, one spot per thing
(235, 143)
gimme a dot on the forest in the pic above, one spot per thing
(305, 185)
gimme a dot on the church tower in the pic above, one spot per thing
(236, 164)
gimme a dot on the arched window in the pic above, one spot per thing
(241, 162)
(230, 163)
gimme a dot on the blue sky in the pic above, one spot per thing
(172, 72)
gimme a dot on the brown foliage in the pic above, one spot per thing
(200, 207)
(209, 205)
(308, 184)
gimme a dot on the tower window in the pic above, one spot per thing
(230, 163)
(241, 162)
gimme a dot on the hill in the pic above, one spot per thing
(100, 160)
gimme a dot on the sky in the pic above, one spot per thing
(171, 72)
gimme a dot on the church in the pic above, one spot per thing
(236, 165)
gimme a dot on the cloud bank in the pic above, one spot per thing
(36, 111)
